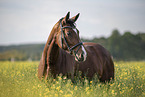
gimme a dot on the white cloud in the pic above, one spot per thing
(32, 20)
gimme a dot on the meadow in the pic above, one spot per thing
(19, 79)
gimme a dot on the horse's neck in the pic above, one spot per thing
(49, 43)
(52, 34)
(59, 61)
(52, 52)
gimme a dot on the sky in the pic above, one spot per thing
(31, 21)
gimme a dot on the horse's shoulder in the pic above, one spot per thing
(99, 49)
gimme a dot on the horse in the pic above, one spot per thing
(64, 53)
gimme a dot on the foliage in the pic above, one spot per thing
(125, 47)
(19, 79)
(21, 52)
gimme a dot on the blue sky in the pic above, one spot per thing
(30, 21)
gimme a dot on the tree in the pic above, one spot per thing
(114, 44)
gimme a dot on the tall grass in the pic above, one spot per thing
(19, 79)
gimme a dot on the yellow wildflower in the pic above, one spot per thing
(90, 81)
(113, 92)
(87, 88)
(75, 88)
(56, 95)
(61, 91)
(58, 88)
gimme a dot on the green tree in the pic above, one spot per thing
(132, 47)
(114, 44)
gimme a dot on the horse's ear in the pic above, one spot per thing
(67, 17)
(73, 19)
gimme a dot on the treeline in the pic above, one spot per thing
(125, 47)
(21, 52)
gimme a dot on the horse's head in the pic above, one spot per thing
(68, 38)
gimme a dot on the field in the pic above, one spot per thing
(19, 79)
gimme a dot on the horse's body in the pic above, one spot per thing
(57, 61)
(98, 61)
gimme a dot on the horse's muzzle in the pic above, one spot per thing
(81, 57)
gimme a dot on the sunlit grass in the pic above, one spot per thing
(19, 79)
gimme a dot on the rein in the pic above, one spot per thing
(71, 49)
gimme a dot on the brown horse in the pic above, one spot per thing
(64, 53)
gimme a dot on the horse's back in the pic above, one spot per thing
(101, 61)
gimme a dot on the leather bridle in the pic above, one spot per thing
(71, 49)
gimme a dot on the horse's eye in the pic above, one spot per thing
(68, 33)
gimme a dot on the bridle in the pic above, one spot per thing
(71, 49)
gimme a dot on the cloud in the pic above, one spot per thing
(32, 20)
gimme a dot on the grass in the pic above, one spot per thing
(19, 79)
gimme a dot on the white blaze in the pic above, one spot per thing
(85, 53)
(83, 49)
(75, 30)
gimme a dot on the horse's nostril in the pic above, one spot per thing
(82, 55)
(82, 58)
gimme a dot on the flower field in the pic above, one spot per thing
(19, 79)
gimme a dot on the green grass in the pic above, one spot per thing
(19, 79)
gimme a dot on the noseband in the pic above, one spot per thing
(71, 49)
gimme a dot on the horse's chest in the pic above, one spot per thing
(64, 64)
